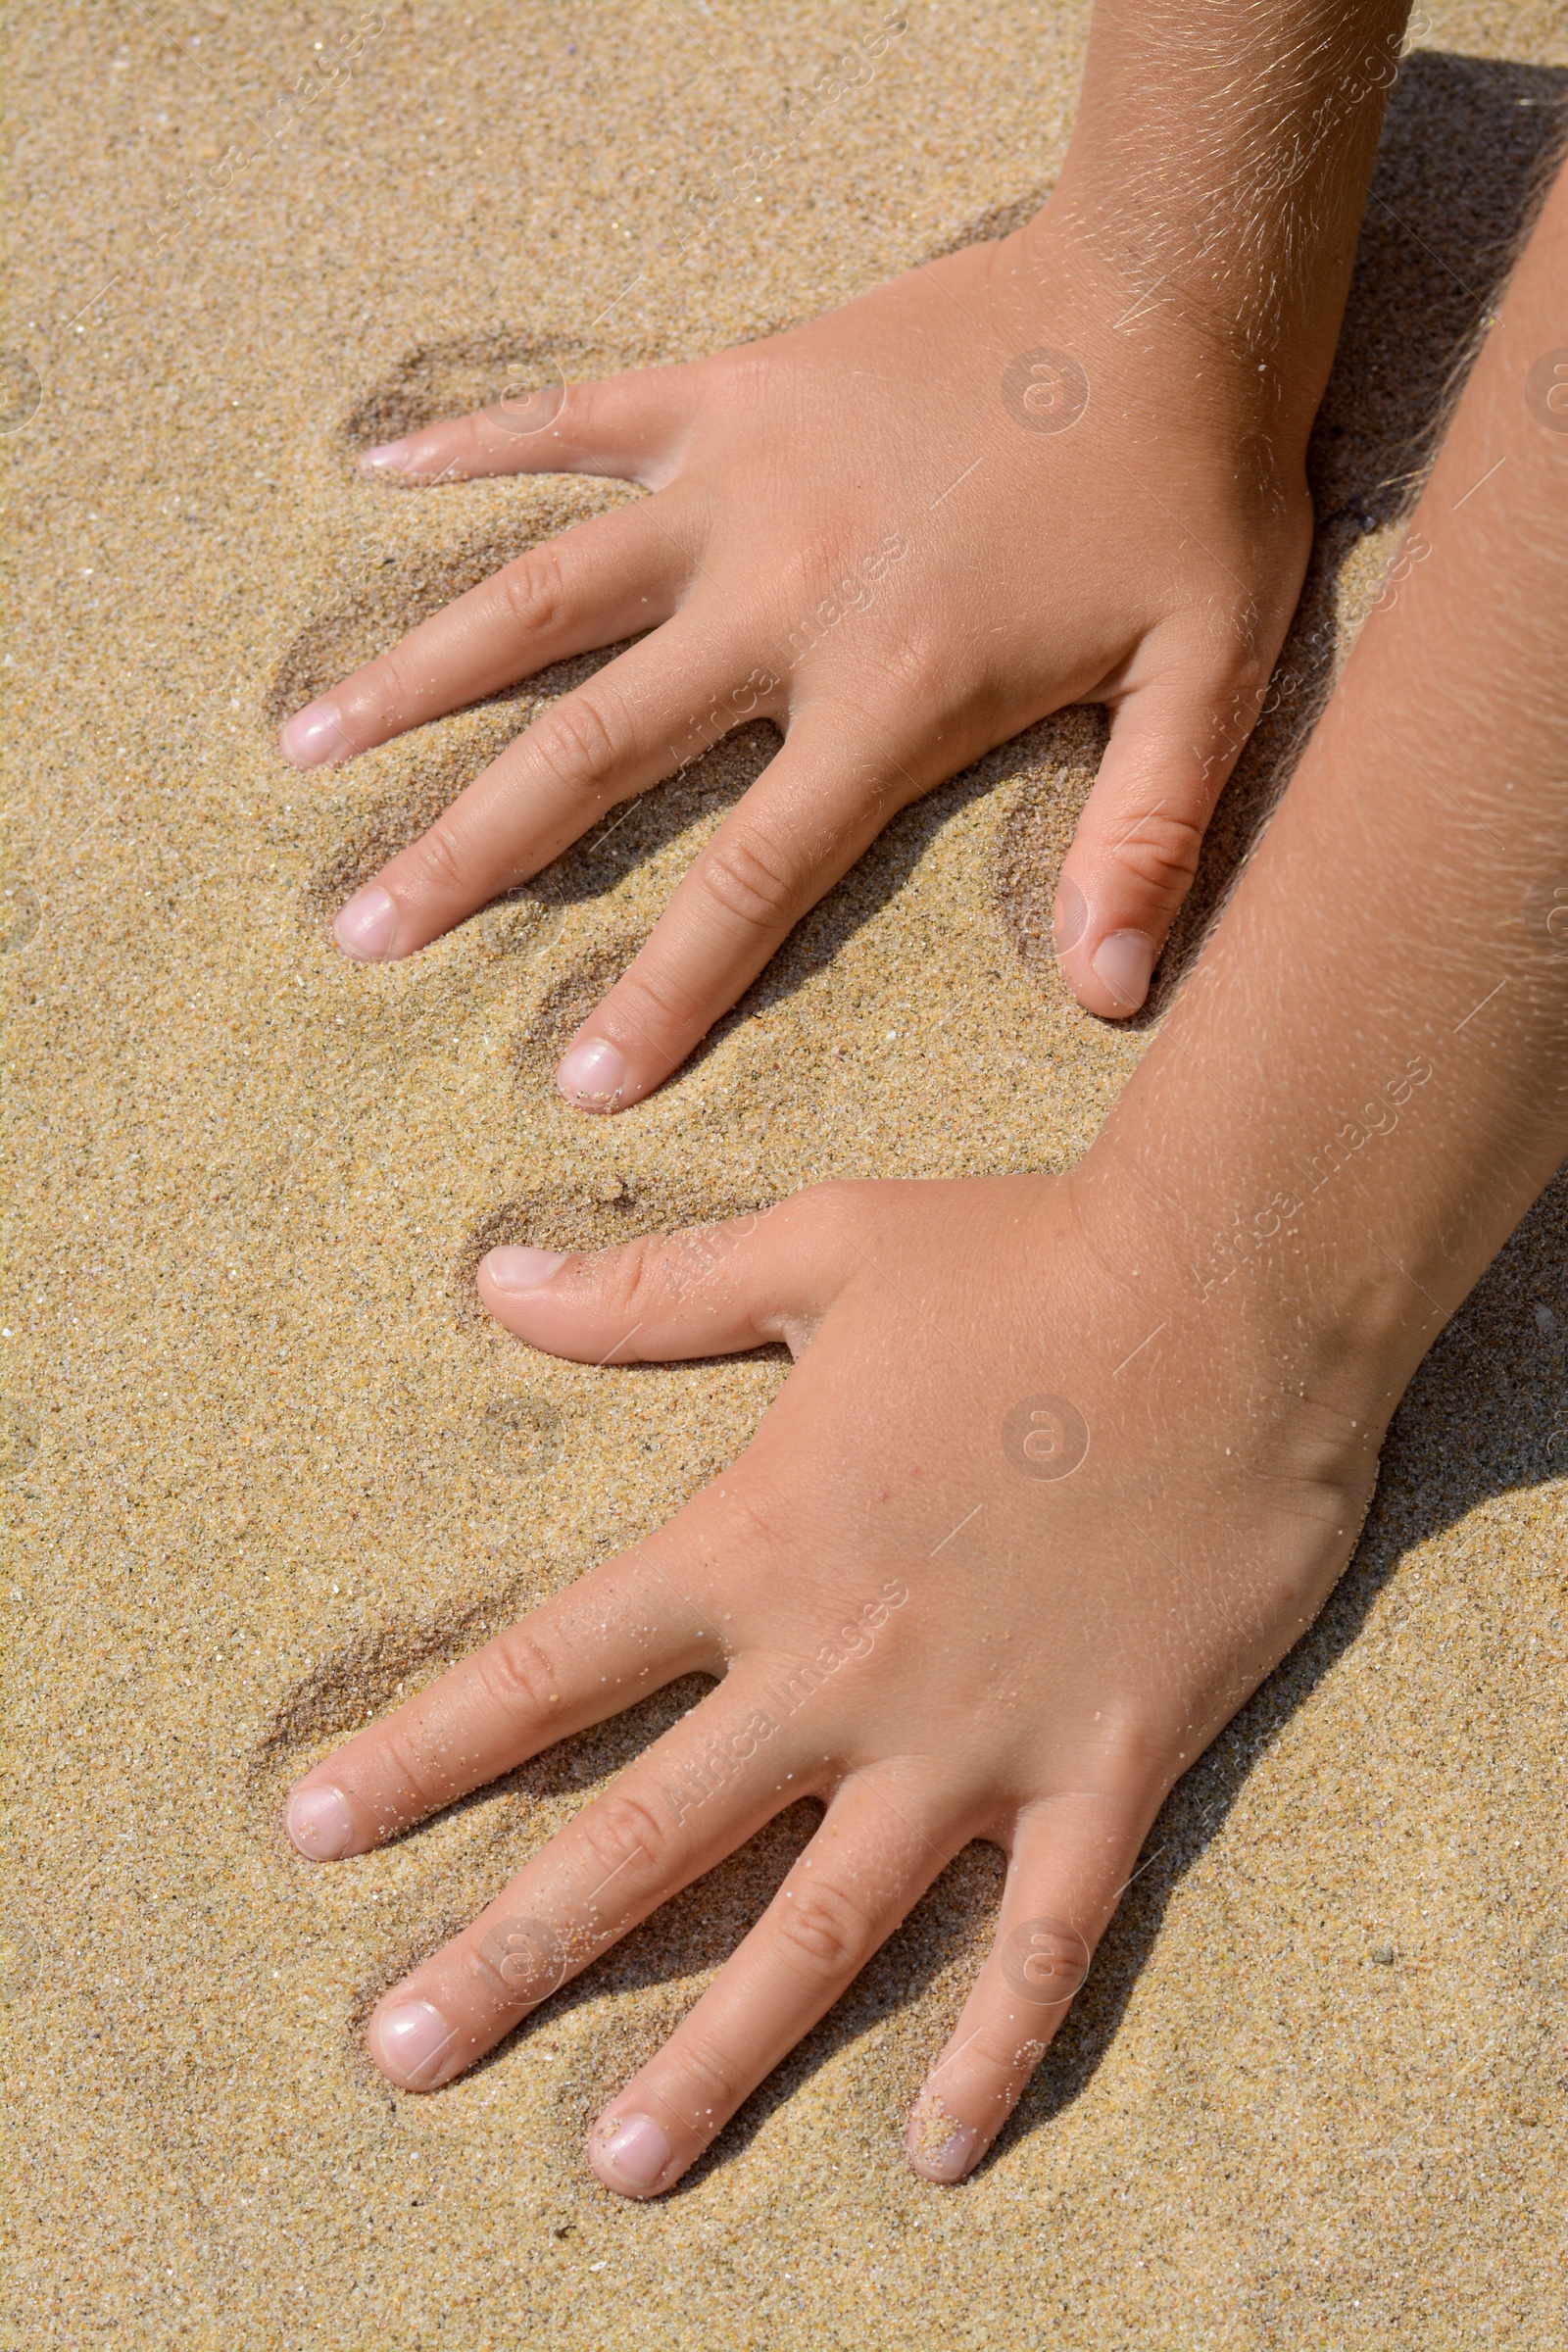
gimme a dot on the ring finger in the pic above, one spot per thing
(1070, 1862)
(880, 1846)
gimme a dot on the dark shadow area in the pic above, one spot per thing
(1466, 150)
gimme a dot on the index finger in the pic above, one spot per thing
(618, 1633)
(602, 743)
(611, 578)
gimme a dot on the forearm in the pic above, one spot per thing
(1218, 169)
(1366, 1083)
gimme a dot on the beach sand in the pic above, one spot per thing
(267, 1464)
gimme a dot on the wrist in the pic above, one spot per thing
(1272, 1301)
(1178, 354)
(1282, 1412)
(1216, 176)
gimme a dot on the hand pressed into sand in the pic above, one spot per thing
(871, 532)
(1064, 1464)
(926, 1613)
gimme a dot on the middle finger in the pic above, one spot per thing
(702, 1790)
(797, 831)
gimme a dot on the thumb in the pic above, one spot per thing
(711, 1289)
(1135, 853)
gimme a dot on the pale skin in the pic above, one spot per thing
(1354, 1100)
(903, 539)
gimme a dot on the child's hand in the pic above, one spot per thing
(989, 1568)
(902, 532)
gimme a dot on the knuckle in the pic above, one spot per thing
(634, 1277)
(623, 1837)
(1002, 2052)
(437, 862)
(824, 1929)
(531, 592)
(512, 1963)
(749, 377)
(391, 685)
(916, 667)
(752, 879)
(835, 1209)
(757, 1520)
(1135, 1747)
(1159, 854)
(652, 1002)
(420, 1769)
(516, 1675)
(574, 741)
(711, 2083)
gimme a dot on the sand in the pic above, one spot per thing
(266, 1464)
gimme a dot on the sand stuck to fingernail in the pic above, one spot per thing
(267, 1469)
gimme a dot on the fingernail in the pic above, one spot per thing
(633, 2149)
(1069, 917)
(954, 2158)
(317, 1821)
(593, 1071)
(523, 1269)
(312, 736)
(411, 2042)
(366, 926)
(1124, 961)
(386, 454)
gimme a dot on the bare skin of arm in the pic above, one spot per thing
(1065, 1465)
(1066, 467)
